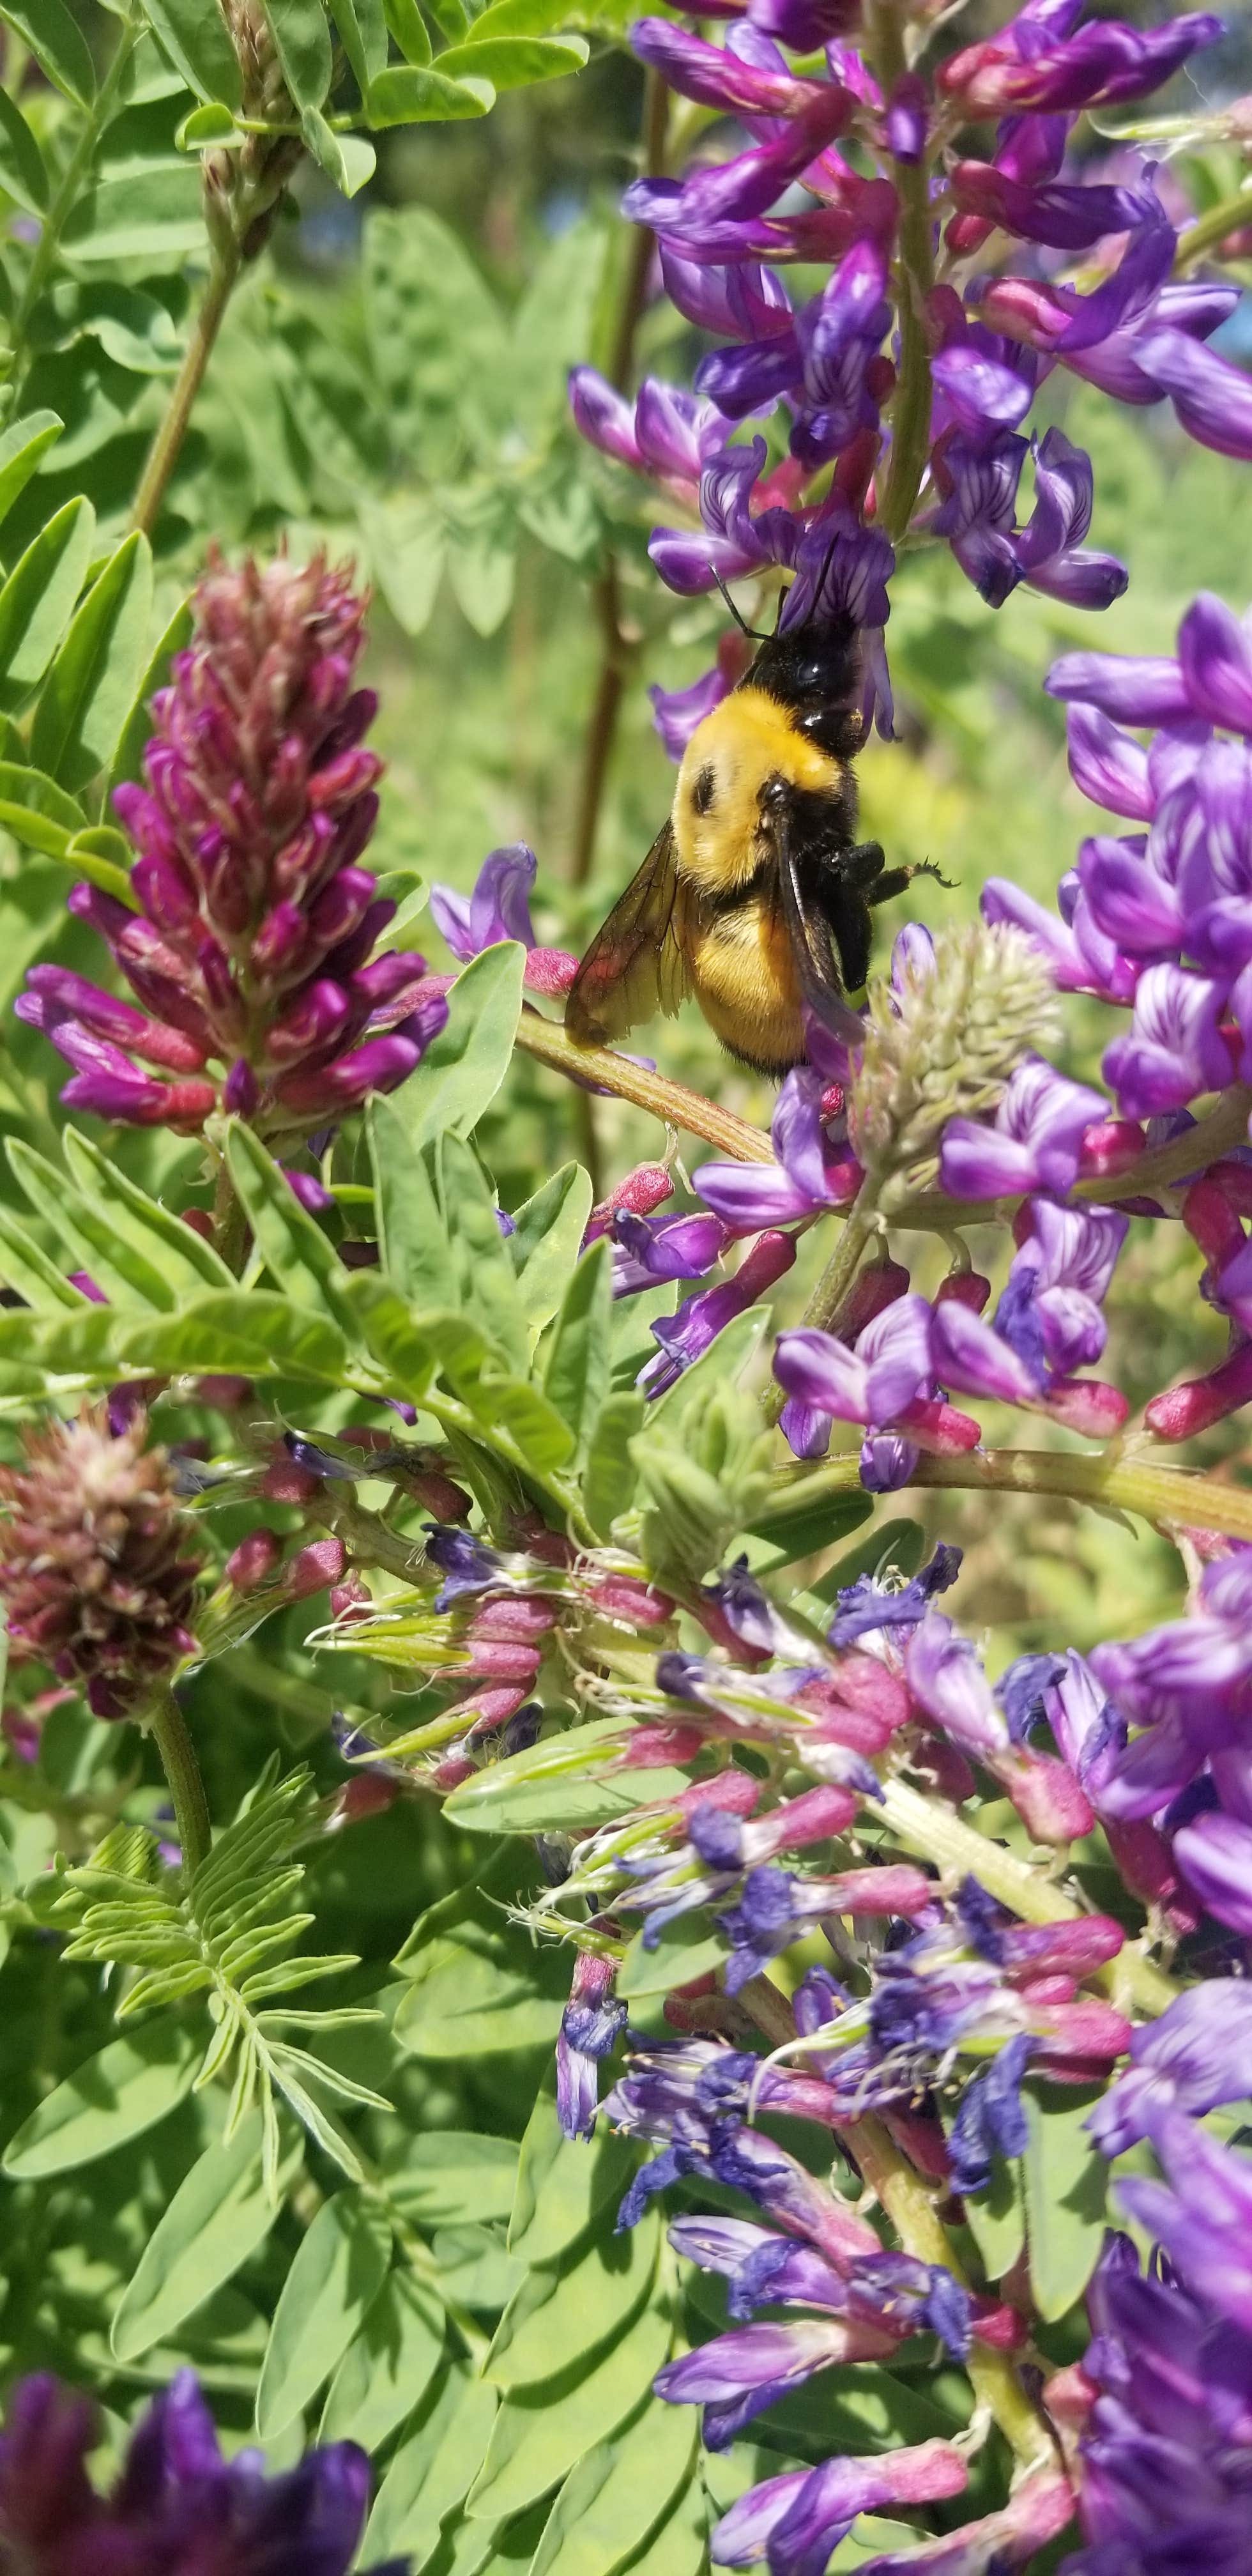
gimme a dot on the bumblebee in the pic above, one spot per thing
(756, 895)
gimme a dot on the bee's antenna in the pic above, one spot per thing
(753, 634)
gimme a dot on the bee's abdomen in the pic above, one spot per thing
(745, 981)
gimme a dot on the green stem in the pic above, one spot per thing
(1207, 230)
(224, 265)
(907, 2201)
(910, 411)
(670, 1101)
(168, 1729)
(1171, 1498)
(44, 255)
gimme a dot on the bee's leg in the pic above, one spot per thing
(860, 867)
(893, 881)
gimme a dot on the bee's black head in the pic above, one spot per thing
(814, 670)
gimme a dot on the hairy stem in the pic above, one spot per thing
(224, 266)
(1171, 1497)
(906, 2200)
(44, 255)
(910, 411)
(168, 1729)
(617, 648)
(670, 1101)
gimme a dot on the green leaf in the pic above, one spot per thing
(483, 1272)
(362, 31)
(541, 2431)
(568, 1772)
(463, 1067)
(481, 1989)
(451, 17)
(558, 2317)
(515, 62)
(435, 334)
(23, 172)
(59, 48)
(91, 1240)
(482, 556)
(134, 328)
(388, 2366)
(432, 2469)
(793, 1527)
(579, 1361)
(347, 159)
(219, 2215)
(26, 1266)
(617, 2495)
(102, 855)
(522, 18)
(198, 44)
(562, 2183)
(413, 1241)
(408, 96)
(137, 728)
(187, 1263)
(22, 450)
(447, 2175)
(996, 2218)
(89, 689)
(248, 1333)
(407, 540)
(681, 2546)
(475, 2268)
(38, 598)
(205, 126)
(153, 214)
(610, 1475)
(551, 330)
(114, 2097)
(37, 812)
(683, 1949)
(301, 1260)
(408, 26)
(1066, 2186)
(302, 42)
(727, 1357)
(543, 1246)
(327, 2295)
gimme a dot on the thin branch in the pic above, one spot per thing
(1170, 1497)
(670, 1101)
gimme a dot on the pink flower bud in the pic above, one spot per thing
(811, 1818)
(638, 1194)
(224, 1394)
(1183, 1411)
(515, 1621)
(368, 1795)
(1046, 1795)
(284, 1482)
(734, 1792)
(967, 1287)
(1084, 2029)
(994, 2322)
(896, 1889)
(1088, 1406)
(1212, 1222)
(313, 1567)
(648, 1748)
(491, 1662)
(449, 1774)
(1145, 1861)
(939, 1427)
(350, 1600)
(637, 1605)
(1114, 1146)
(252, 1561)
(549, 970)
(877, 1287)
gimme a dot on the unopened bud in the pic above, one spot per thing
(252, 1561)
(1046, 1795)
(942, 1038)
(1195, 1406)
(549, 970)
(315, 1566)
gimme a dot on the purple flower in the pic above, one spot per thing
(677, 712)
(839, 334)
(738, 2375)
(945, 1675)
(982, 1359)
(1201, 2215)
(700, 1319)
(590, 2025)
(733, 541)
(178, 2506)
(808, 1173)
(498, 908)
(1049, 551)
(466, 1563)
(1173, 1050)
(1214, 1853)
(1034, 1144)
(990, 2121)
(1062, 217)
(667, 432)
(873, 1383)
(797, 2520)
(866, 1608)
(655, 1248)
(251, 941)
(746, 76)
(1099, 66)
(1193, 2059)
(1212, 398)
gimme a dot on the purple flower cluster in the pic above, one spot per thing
(249, 929)
(178, 2508)
(837, 173)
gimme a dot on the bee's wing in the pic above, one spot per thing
(637, 963)
(812, 941)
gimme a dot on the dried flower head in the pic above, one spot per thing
(242, 186)
(942, 1039)
(97, 1564)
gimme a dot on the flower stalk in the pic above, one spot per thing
(170, 1734)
